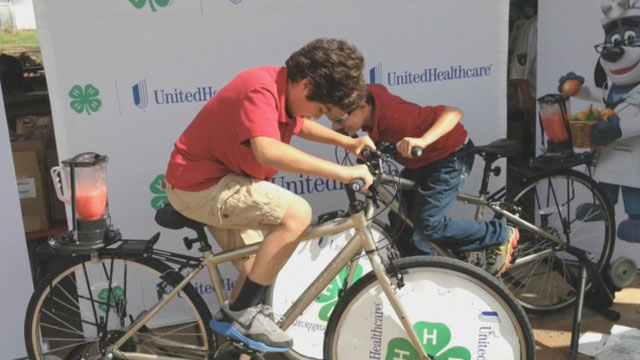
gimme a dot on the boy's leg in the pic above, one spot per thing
(402, 232)
(439, 185)
(274, 251)
(250, 318)
(281, 241)
(230, 239)
(238, 202)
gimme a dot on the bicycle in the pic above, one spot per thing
(560, 212)
(157, 313)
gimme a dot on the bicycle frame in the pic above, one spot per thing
(481, 202)
(362, 240)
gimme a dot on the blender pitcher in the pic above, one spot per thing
(554, 121)
(85, 176)
(81, 182)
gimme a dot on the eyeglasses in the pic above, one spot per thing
(340, 120)
(631, 42)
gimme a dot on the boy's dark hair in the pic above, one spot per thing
(369, 98)
(335, 70)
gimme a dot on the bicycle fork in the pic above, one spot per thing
(387, 287)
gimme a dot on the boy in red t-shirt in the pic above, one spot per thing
(439, 173)
(220, 170)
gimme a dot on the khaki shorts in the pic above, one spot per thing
(236, 210)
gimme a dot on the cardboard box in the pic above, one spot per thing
(33, 199)
(30, 145)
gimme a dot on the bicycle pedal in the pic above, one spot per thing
(232, 350)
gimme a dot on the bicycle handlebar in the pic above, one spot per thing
(374, 158)
(356, 185)
(391, 149)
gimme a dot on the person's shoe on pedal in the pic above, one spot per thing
(254, 327)
(499, 257)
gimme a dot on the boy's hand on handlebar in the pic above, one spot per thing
(358, 172)
(405, 145)
(360, 143)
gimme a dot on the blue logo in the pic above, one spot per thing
(140, 97)
(489, 316)
(375, 74)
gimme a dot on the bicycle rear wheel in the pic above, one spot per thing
(458, 312)
(568, 204)
(87, 304)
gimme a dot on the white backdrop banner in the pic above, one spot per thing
(611, 80)
(14, 259)
(126, 77)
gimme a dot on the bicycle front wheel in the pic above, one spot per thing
(80, 310)
(570, 205)
(457, 310)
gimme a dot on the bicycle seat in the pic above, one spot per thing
(170, 218)
(500, 147)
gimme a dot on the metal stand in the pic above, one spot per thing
(603, 296)
(577, 315)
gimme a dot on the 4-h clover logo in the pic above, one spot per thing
(434, 337)
(139, 4)
(85, 99)
(117, 293)
(330, 294)
(160, 197)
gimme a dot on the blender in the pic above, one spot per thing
(81, 182)
(554, 115)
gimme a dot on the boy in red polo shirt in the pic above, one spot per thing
(439, 173)
(220, 169)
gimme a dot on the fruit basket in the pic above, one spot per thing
(581, 134)
(582, 125)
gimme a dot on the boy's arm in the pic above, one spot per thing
(313, 131)
(276, 154)
(449, 118)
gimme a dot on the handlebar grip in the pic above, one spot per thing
(416, 152)
(356, 185)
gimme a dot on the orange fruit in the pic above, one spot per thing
(606, 113)
(571, 87)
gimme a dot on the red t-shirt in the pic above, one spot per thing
(395, 119)
(216, 142)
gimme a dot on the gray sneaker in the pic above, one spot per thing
(256, 324)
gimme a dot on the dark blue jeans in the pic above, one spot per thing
(437, 186)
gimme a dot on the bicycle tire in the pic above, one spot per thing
(427, 280)
(309, 341)
(62, 306)
(549, 283)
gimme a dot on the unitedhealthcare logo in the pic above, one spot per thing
(140, 94)
(375, 74)
(427, 74)
(142, 97)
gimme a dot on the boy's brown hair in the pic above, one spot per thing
(335, 70)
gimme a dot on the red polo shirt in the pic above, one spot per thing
(395, 119)
(216, 142)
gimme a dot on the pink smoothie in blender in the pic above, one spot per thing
(91, 201)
